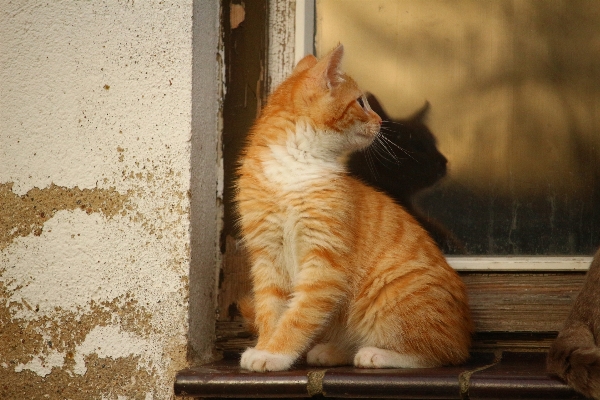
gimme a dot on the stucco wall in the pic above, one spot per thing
(95, 161)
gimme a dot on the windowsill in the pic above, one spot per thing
(507, 375)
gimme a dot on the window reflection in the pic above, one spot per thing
(514, 89)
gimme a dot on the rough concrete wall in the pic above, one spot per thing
(95, 129)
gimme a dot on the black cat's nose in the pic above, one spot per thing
(443, 160)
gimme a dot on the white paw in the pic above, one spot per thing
(326, 355)
(369, 357)
(374, 357)
(261, 361)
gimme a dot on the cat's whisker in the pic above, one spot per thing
(391, 132)
(384, 152)
(393, 122)
(371, 163)
(391, 142)
(384, 142)
(377, 153)
(399, 148)
(385, 130)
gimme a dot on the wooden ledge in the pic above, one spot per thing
(504, 375)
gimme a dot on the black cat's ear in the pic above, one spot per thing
(421, 114)
(376, 106)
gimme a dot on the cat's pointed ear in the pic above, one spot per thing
(307, 62)
(328, 69)
(421, 114)
(376, 106)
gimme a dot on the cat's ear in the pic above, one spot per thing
(421, 114)
(307, 62)
(328, 70)
(376, 106)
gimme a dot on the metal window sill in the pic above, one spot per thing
(509, 375)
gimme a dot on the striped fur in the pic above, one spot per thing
(340, 272)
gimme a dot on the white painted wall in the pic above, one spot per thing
(96, 137)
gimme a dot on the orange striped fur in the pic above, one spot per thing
(341, 274)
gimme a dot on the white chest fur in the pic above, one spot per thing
(307, 158)
(306, 163)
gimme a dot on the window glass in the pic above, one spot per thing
(514, 94)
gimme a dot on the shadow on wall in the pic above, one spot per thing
(515, 92)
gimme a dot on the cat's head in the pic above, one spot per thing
(321, 96)
(405, 159)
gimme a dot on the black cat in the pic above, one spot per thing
(402, 161)
(575, 354)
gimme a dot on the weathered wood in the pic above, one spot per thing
(512, 341)
(234, 282)
(282, 18)
(233, 338)
(504, 306)
(521, 302)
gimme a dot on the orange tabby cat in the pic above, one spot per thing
(339, 270)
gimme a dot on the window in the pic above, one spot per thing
(513, 87)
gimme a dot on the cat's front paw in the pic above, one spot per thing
(262, 361)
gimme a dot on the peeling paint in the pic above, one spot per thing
(108, 342)
(42, 364)
(66, 344)
(282, 19)
(34, 335)
(237, 14)
(25, 215)
(112, 379)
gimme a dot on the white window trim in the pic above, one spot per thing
(291, 37)
(520, 263)
(305, 29)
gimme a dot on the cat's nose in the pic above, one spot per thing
(377, 117)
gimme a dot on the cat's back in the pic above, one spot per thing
(391, 245)
(387, 227)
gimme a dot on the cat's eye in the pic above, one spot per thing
(361, 102)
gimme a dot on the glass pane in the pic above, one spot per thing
(514, 93)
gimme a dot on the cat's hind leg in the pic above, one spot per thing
(374, 357)
(328, 355)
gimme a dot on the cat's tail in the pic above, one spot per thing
(247, 310)
(575, 358)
